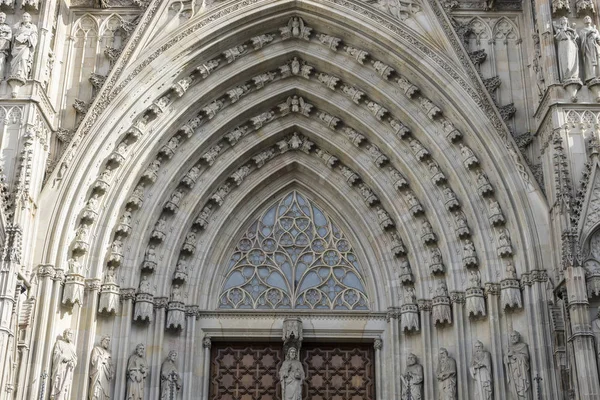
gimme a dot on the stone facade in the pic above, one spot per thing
(421, 175)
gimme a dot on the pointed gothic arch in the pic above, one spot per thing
(418, 110)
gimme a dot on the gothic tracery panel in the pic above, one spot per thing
(294, 256)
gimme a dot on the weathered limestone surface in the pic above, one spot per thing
(164, 162)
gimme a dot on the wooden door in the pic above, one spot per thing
(243, 371)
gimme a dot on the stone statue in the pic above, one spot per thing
(568, 52)
(137, 370)
(517, 363)
(590, 48)
(25, 37)
(596, 330)
(446, 376)
(170, 379)
(5, 38)
(481, 371)
(101, 371)
(412, 379)
(292, 376)
(64, 361)
(144, 285)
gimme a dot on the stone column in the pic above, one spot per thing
(8, 284)
(394, 343)
(492, 291)
(44, 313)
(160, 320)
(122, 353)
(458, 309)
(206, 344)
(538, 335)
(582, 336)
(190, 383)
(9, 267)
(428, 365)
(378, 344)
(86, 338)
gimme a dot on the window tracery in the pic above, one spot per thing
(294, 257)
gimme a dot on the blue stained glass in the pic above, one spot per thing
(294, 256)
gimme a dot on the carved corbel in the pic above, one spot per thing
(350, 176)
(221, 194)
(398, 247)
(353, 136)
(382, 69)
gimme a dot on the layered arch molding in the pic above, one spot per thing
(377, 133)
(389, 112)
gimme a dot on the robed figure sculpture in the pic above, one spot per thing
(517, 363)
(481, 371)
(446, 375)
(567, 50)
(291, 376)
(64, 361)
(101, 371)
(170, 379)
(25, 38)
(412, 379)
(137, 370)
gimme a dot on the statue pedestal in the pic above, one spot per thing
(109, 299)
(409, 318)
(73, 290)
(510, 294)
(475, 302)
(594, 86)
(176, 315)
(144, 307)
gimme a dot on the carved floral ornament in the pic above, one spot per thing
(297, 67)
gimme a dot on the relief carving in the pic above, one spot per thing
(295, 29)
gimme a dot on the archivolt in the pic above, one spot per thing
(374, 107)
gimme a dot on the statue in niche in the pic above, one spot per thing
(292, 376)
(446, 376)
(481, 371)
(144, 285)
(25, 39)
(170, 379)
(111, 276)
(64, 361)
(568, 51)
(5, 38)
(596, 330)
(517, 363)
(137, 370)
(74, 266)
(101, 371)
(412, 379)
(590, 48)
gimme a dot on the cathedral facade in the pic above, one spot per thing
(299, 199)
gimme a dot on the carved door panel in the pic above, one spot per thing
(333, 372)
(246, 371)
(336, 372)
